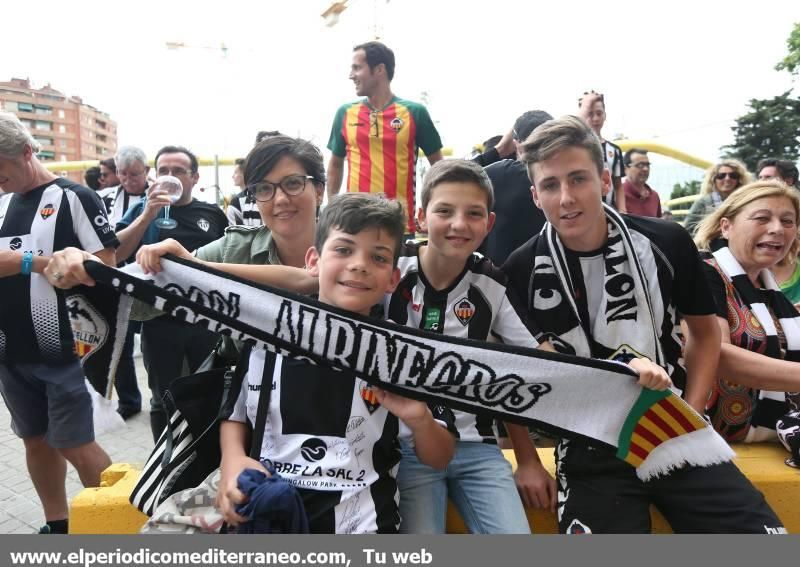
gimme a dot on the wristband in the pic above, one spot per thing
(27, 263)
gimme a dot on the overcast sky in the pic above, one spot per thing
(677, 71)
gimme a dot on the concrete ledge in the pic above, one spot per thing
(761, 463)
(106, 509)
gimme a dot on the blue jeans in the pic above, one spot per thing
(478, 480)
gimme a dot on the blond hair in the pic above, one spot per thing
(708, 186)
(710, 229)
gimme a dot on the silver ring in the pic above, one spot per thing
(58, 276)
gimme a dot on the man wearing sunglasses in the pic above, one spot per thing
(381, 134)
(170, 348)
(108, 181)
(640, 198)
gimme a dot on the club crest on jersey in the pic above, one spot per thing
(89, 328)
(576, 527)
(16, 243)
(203, 224)
(464, 310)
(396, 124)
(47, 211)
(370, 399)
(625, 353)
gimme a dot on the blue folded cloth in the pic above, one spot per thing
(273, 507)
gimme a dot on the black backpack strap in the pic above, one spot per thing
(232, 383)
(263, 406)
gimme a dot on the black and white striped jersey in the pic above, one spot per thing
(328, 436)
(243, 210)
(612, 154)
(477, 306)
(34, 326)
(108, 195)
(122, 202)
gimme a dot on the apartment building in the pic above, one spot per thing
(67, 128)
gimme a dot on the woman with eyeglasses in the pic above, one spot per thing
(286, 177)
(759, 366)
(720, 181)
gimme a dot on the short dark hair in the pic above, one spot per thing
(178, 150)
(239, 162)
(786, 169)
(555, 136)
(600, 97)
(356, 212)
(455, 170)
(92, 177)
(376, 53)
(266, 154)
(491, 142)
(262, 134)
(110, 164)
(527, 122)
(627, 158)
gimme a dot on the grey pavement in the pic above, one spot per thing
(20, 509)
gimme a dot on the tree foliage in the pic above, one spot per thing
(791, 62)
(685, 189)
(771, 128)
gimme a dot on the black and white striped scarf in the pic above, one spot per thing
(568, 396)
(631, 309)
(771, 405)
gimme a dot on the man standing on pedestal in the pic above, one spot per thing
(381, 134)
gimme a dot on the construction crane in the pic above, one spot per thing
(332, 13)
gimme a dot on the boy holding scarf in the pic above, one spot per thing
(607, 286)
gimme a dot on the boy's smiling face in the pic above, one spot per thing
(355, 270)
(457, 219)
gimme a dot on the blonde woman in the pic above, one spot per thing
(720, 181)
(759, 364)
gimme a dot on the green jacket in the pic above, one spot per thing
(241, 245)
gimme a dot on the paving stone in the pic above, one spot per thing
(20, 509)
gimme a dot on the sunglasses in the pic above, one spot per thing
(729, 174)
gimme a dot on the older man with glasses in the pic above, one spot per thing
(130, 172)
(171, 348)
(640, 198)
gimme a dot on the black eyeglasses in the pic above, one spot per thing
(729, 174)
(173, 171)
(291, 185)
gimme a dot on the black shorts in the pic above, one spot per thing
(599, 493)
